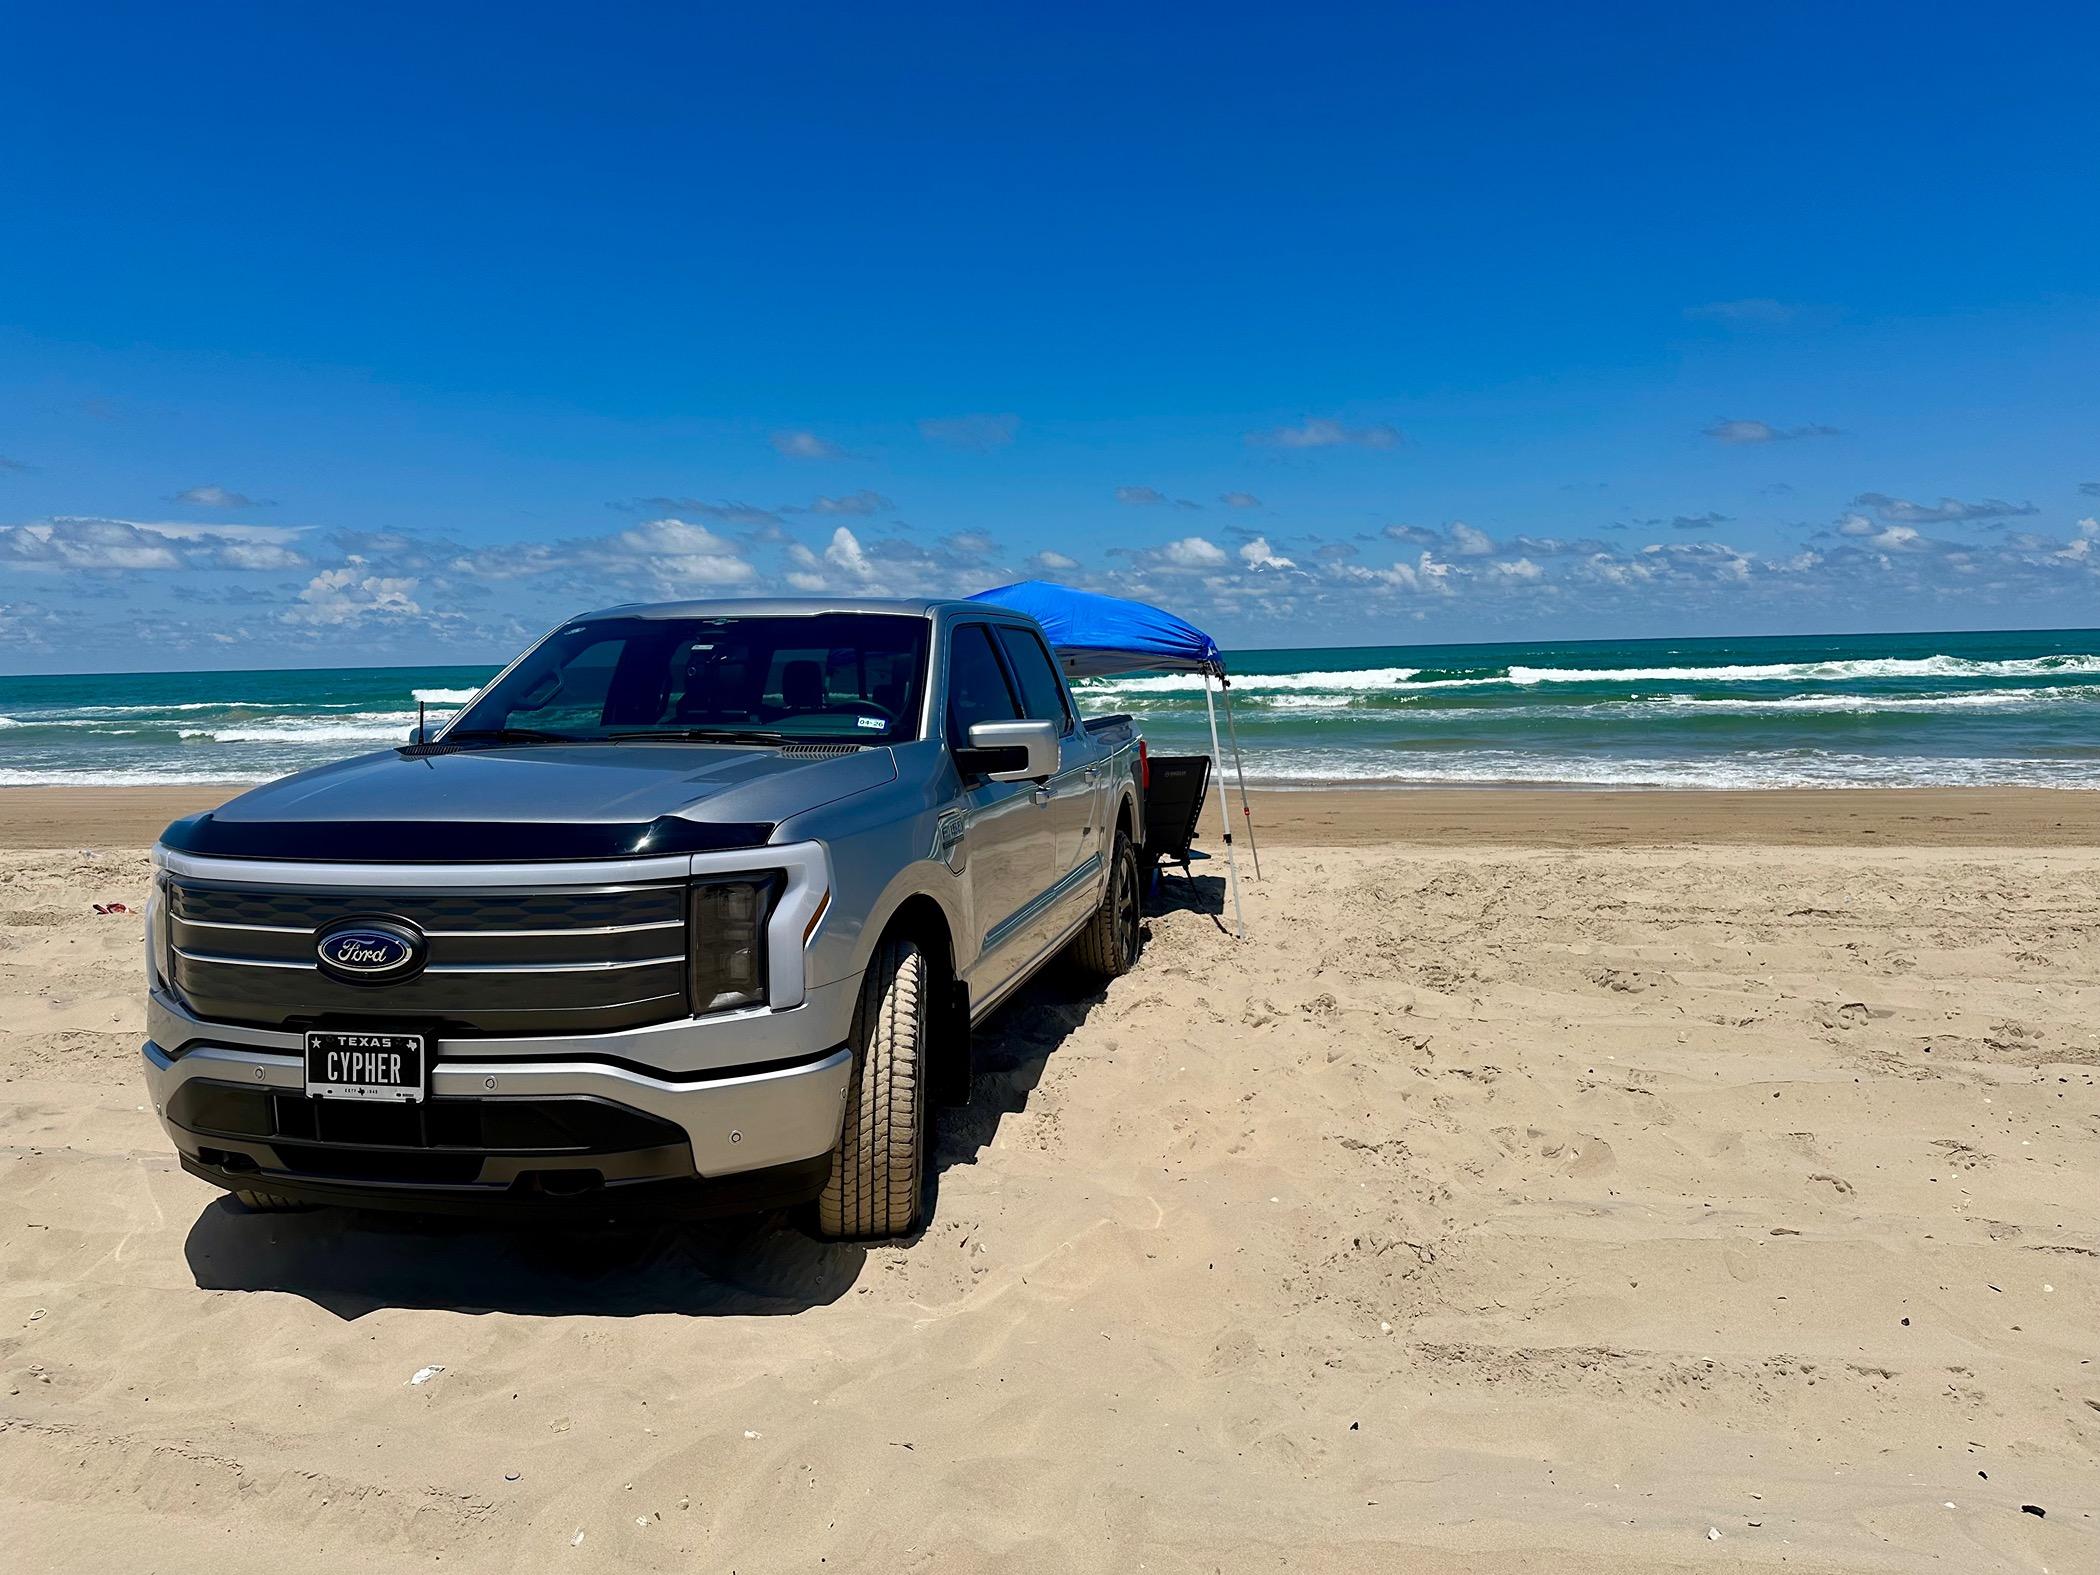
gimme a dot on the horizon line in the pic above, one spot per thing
(1248, 650)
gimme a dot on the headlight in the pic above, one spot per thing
(727, 939)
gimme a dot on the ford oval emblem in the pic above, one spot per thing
(370, 951)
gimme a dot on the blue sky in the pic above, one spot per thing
(397, 333)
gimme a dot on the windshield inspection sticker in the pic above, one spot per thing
(874, 724)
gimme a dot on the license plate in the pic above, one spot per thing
(364, 1066)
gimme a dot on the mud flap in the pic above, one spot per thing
(953, 1067)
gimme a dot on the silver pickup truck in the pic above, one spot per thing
(694, 904)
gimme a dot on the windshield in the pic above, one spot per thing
(835, 676)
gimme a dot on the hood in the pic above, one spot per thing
(590, 801)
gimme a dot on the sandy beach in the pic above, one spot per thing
(1553, 1182)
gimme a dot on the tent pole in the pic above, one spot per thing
(1239, 923)
(1239, 765)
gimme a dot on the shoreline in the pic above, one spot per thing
(2026, 817)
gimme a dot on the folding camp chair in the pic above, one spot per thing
(1173, 801)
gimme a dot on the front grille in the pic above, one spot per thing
(508, 961)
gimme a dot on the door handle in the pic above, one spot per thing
(1093, 775)
(1041, 795)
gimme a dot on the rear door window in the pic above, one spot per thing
(1042, 696)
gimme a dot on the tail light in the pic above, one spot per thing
(727, 939)
(1144, 766)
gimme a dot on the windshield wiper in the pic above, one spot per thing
(723, 735)
(506, 735)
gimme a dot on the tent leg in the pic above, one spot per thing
(1232, 863)
(1239, 765)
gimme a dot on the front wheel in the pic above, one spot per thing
(878, 1170)
(1108, 947)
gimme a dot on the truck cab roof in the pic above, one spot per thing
(786, 607)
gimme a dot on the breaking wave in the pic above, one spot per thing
(1813, 672)
(1748, 769)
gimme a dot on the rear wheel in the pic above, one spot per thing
(269, 1202)
(1108, 947)
(878, 1170)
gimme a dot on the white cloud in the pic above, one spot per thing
(1193, 552)
(1616, 571)
(1887, 537)
(677, 552)
(1696, 560)
(1519, 569)
(88, 544)
(846, 553)
(1052, 563)
(806, 445)
(1410, 533)
(184, 530)
(1142, 497)
(1239, 500)
(1470, 543)
(1732, 431)
(1398, 576)
(1948, 511)
(351, 594)
(258, 555)
(1256, 555)
(117, 546)
(210, 497)
(1326, 432)
(969, 545)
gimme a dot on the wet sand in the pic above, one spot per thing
(1350, 817)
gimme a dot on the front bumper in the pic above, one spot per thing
(744, 1109)
(739, 1102)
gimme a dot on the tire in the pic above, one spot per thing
(269, 1202)
(878, 1170)
(1108, 947)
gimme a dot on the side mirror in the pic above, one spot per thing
(1010, 751)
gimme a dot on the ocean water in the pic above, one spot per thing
(1813, 711)
(140, 729)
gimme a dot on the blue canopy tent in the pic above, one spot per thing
(1096, 636)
